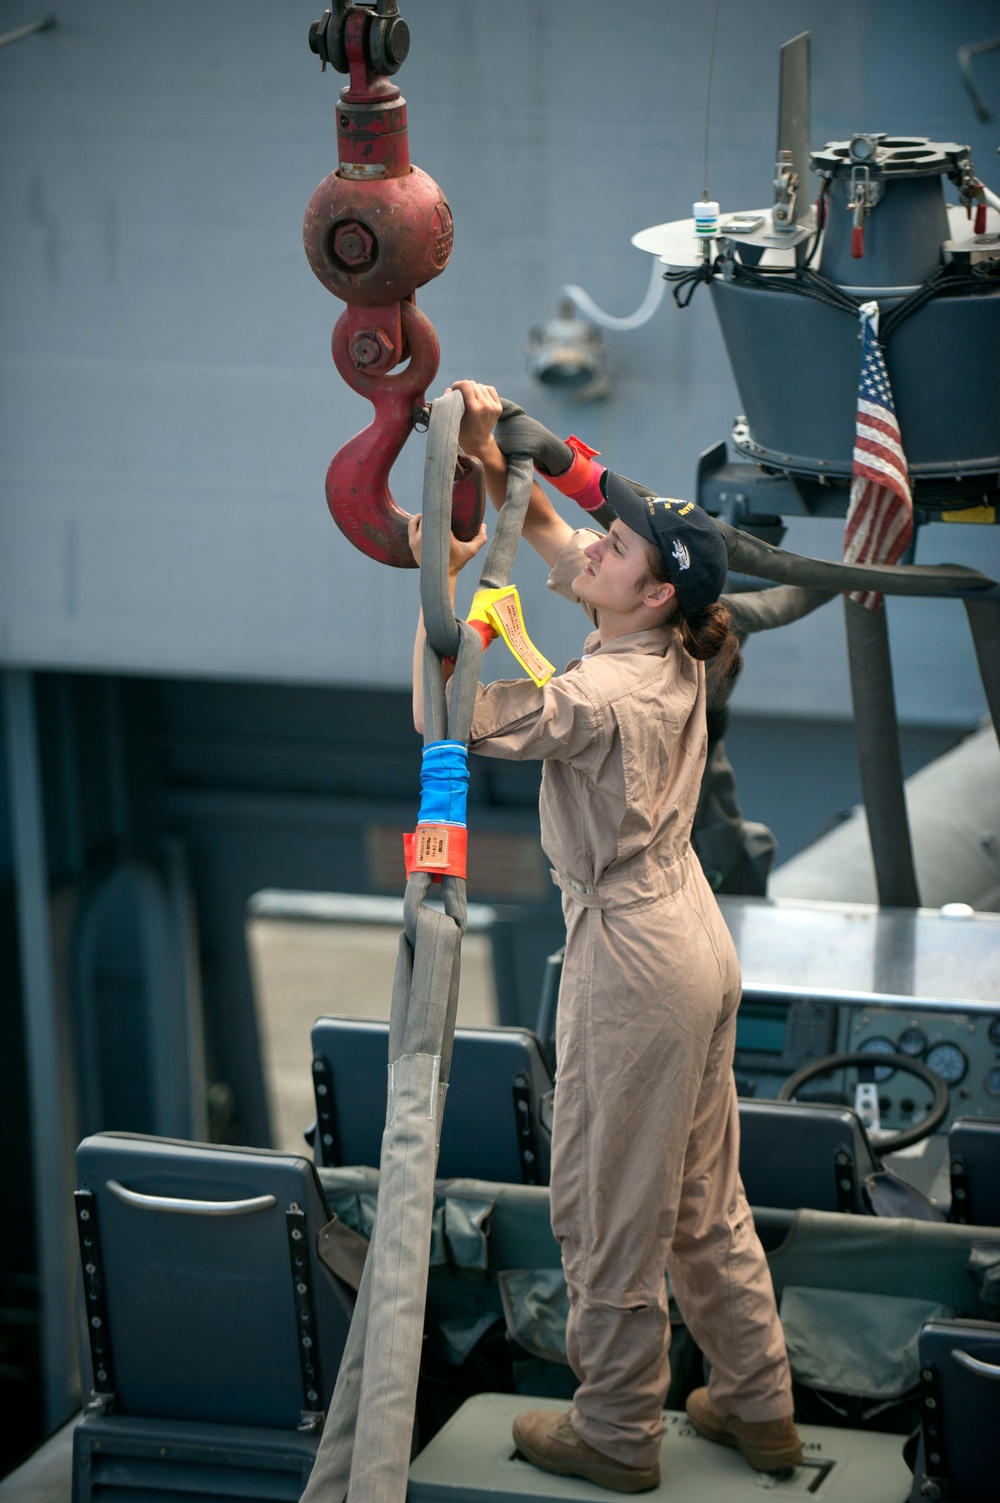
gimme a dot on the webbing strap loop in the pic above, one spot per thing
(364, 1452)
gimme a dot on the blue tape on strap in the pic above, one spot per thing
(444, 783)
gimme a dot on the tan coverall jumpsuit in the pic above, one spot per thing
(645, 1150)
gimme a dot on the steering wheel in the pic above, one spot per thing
(894, 1141)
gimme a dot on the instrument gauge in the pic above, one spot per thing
(949, 1061)
(912, 1041)
(879, 1045)
(992, 1083)
(994, 1032)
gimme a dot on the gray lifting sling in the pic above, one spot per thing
(364, 1454)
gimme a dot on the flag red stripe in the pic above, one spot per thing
(879, 433)
(892, 454)
(892, 536)
(879, 470)
(887, 482)
(885, 425)
(890, 533)
(880, 513)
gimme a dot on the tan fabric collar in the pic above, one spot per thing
(655, 641)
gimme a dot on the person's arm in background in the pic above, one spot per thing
(459, 555)
(543, 527)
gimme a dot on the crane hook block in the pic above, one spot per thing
(357, 481)
(375, 230)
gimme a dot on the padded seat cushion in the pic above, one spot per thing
(850, 1343)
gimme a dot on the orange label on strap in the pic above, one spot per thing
(432, 845)
(441, 849)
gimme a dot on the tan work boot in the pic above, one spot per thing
(768, 1445)
(548, 1440)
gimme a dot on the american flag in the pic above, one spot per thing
(880, 516)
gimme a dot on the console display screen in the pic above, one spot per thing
(760, 1027)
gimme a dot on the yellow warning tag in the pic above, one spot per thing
(506, 616)
(502, 609)
(432, 845)
(971, 514)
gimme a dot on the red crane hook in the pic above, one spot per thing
(357, 482)
(376, 229)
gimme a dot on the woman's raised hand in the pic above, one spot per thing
(459, 553)
(482, 408)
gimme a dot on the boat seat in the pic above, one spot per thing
(854, 1291)
(959, 1374)
(974, 1166)
(493, 1127)
(797, 1155)
(215, 1331)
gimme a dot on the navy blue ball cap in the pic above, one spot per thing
(692, 546)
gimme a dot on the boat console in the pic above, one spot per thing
(821, 978)
(825, 979)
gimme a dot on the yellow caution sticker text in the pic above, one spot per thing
(502, 609)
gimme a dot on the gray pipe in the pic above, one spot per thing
(879, 760)
(984, 623)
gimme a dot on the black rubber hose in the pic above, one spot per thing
(750, 555)
(763, 610)
(517, 433)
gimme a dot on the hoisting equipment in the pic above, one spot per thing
(375, 230)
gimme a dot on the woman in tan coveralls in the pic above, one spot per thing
(645, 1148)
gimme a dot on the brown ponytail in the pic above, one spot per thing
(706, 634)
(709, 632)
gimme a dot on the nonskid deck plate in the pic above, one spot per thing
(472, 1460)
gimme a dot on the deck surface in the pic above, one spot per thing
(473, 1460)
(47, 1475)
